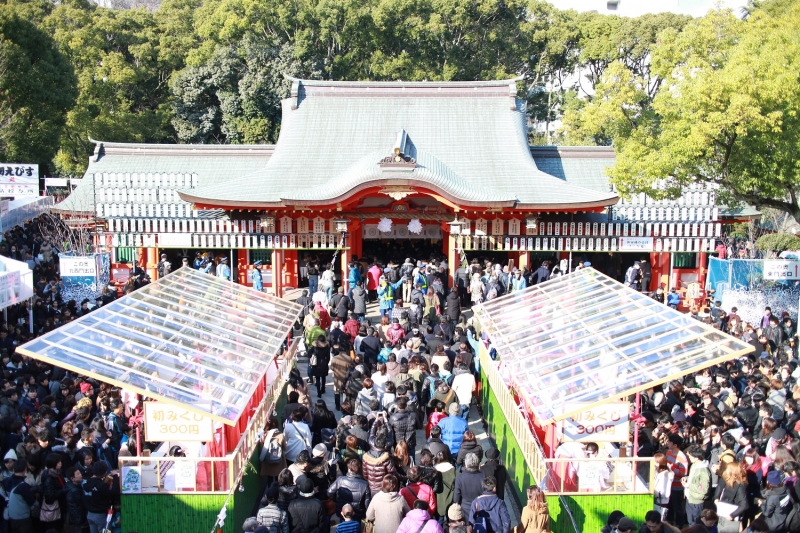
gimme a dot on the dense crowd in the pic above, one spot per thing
(60, 434)
(726, 440)
(412, 371)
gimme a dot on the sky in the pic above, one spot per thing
(634, 8)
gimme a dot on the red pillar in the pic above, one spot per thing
(355, 238)
(277, 273)
(242, 265)
(152, 263)
(291, 276)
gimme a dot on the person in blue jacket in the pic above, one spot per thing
(453, 428)
(258, 281)
(386, 294)
(352, 278)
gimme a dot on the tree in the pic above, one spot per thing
(725, 111)
(235, 97)
(775, 243)
(123, 79)
(579, 48)
(37, 88)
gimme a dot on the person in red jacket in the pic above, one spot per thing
(351, 327)
(436, 415)
(417, 490)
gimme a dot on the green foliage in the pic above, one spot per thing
(720, 106)
(777, 243)
(32, 113)
(212, 71)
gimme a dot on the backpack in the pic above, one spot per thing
(492, 294)
(17, 508)
(482, 524)
(272, 451)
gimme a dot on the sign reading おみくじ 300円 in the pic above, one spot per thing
(603, 423)
(165, 422)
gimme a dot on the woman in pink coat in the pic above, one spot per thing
(414, 520)
(373, 279)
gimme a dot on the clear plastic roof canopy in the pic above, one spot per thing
(585, 338)
(189, 338)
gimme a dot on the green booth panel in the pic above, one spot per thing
(589, 512)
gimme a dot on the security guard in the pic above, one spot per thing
(258, 284)
(223, 270)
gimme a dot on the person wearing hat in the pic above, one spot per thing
(518, 282)
(453, 429)
(455, 517)
(223, 270)
(307, 513)
(258, 280)
(633, 276)
(386, 294)
(493, 468)
(163, 267)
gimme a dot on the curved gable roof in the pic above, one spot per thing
(470, 140)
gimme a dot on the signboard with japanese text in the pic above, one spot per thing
(604, 423)
(19, 179)
(636, 244)
(131, 479)
(165, 422)
(185, 475)
(77, 271)
(781, 269)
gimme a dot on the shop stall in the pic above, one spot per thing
(202, 362)
(572, 356)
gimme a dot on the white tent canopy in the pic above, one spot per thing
(188, 338)
(585, 338)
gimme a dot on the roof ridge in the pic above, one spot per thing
(402, 83)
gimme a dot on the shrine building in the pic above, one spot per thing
(448, 163)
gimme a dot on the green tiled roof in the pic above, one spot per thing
(584, 166)
(469, 141)
(212, 164)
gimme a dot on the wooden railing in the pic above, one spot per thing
(531, 451)
(628, 475)
(223, 473)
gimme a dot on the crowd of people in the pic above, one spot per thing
(726, 440)
(361, 467)
(60, 434)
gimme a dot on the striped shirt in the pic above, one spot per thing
(276, 520)
(348, 526)
(679, 465)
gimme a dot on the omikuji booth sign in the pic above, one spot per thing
(165, 423)
(599, 423)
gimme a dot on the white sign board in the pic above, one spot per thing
(165, 422)
(131, 479)
(604, 423)
(19, 179)
(185, 475)
(781, 269)
(636, 244)
(174, 240)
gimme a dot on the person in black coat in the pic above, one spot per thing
(75, 514)
(493, 468)
(306, 513)
(453, 305)
(322, 351)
